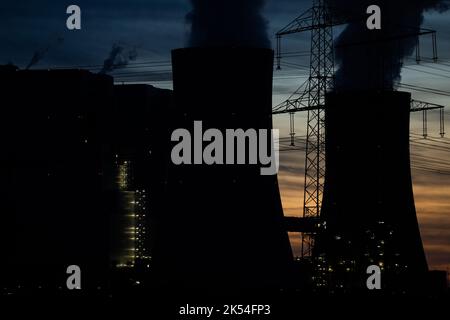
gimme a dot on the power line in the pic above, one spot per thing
(423, 89)
(99, 66)
(427, 72)
(419, 162)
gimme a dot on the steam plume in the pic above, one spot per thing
(118, 58)
(40, 54)
(228, 23)
(374, 59)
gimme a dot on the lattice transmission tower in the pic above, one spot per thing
(310, 97)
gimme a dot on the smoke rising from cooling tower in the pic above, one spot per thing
(378, 64)
(118, 58)
(228, 23)
(38, 55)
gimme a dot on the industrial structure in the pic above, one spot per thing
(368, 215)
(225, 228)
(53, 209)
(130, 235)
(339, 227)
(139, 139)
(89, 178)
(310, 97)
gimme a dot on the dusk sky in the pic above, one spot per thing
(153, 27)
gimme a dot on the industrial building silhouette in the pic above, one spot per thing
(53, 214)
(226, 225)
(66, 135)
(88, 180)
(138, 135)
(368, 215)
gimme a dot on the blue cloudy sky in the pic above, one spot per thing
(154, 27)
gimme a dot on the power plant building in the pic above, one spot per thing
(139, 135)
(53, 209)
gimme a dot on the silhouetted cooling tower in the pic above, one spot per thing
(140, 141)
(368, 213)
(223, 225)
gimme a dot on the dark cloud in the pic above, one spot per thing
(154, 26)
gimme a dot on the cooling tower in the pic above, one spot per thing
(222, 227)
(368, 215)
(52, 176)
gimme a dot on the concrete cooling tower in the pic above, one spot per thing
(223, 224)
(368, 215)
